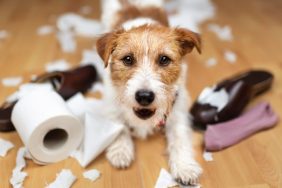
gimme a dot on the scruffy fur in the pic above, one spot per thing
(142, 32)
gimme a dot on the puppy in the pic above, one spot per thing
(145, 81)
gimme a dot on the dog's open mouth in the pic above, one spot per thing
(144, 113)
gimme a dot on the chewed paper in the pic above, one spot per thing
(27, 88)
(58, 65)
(75, 23)
(98, 87)
(165, 180)
(189, 14)
(85, 10)
(64, 180)
(223, 33)
(3, 34)
(104, 131)
(78, 106)
(12, 81)
(67, 41)
(211, 62)
(5, 146)
(217, 99)
(18, 175)
(230, 56)
(97, 125)
(45, 30)
(207, 156)
(92, 57)
(92, 175)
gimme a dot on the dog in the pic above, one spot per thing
(145, 80)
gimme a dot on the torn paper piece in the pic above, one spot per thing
(33, 77)
(18, 175)
(28, 155)
(207, 156)
(45, 30)
(103, 130)
(58, 65)
(13, 97)
(5, 146)
(96, 106)
(189, 14)
(64, 180)
(230, 56)
(78, 106)
(92, 57)
(12, 81)
(3, 34)
(98, 87)
(92, 175)
(27, 88)
(85, 10)
(218, 99)
(211, 62)
(165, 180)
(67, 41)
(223, 33)
(71, 22)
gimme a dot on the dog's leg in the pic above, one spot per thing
(121, 152)
(183, 166)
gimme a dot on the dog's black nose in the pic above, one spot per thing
(144, 97)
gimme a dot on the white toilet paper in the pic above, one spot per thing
(46, 126)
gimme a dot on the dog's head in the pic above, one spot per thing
(144, 65)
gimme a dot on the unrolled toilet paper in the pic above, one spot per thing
(46, 126)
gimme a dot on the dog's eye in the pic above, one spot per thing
(128, 60)
(164, 60)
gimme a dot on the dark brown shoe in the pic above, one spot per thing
(237, 92)
(66, 83)
(5, 117)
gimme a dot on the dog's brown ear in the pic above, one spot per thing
(188, 40)
(105, 46)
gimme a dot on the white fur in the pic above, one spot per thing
(144, 78)
(144, 3)
(178, 132)
(136, 23)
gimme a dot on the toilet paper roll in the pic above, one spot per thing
(46, 126)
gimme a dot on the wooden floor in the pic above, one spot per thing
(257, 27)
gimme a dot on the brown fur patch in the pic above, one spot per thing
(120, 73)
(170, 73)
(147, 43)
(105, 45)
(188, 40)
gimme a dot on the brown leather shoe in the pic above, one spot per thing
(66, 83)
(5, 117)
(228, 98)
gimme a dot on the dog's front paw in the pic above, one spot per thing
(120, 156)
(186, 172)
